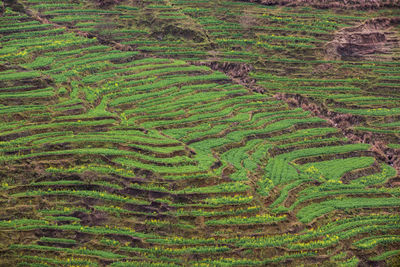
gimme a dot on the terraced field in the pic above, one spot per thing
(198, 133)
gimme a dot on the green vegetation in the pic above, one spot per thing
(196, 133)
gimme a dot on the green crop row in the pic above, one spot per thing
(258, 219)
(39, 261)
(370, 112)
(312, 211)
(371, 242)
(88, 252)
(83, 193)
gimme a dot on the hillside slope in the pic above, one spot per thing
(198, 133)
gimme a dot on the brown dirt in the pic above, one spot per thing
(163, 30)
(238, 72)
(106, 3)
(179, 31)
(93, 219)
(370, 38)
